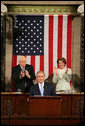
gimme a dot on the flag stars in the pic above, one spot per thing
(34, 45)
(31, 48)
(37, 48)
(22, 45)
(19, 23)
(34, 51)
(22, 51)
(34, 33)
(31, 30)
(37, 36)
(31, 40)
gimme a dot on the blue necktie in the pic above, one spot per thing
(41, 89)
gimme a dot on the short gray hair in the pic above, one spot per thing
(40, 72)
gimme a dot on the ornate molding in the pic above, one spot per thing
(43, 2)
(42, 10)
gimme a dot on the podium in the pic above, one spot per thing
(45, 106)
(22, 109)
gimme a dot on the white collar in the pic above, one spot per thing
(22, 67)
(41, 84)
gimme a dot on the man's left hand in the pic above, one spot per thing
(27, 73)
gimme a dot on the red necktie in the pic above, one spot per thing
(23, 70)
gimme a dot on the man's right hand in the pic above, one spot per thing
(22, 74)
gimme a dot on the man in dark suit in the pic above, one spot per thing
(23, 76)
(41, 87)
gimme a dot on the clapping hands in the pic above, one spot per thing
(22, 74)
(66, 70)
(55, 69)
(27, 73)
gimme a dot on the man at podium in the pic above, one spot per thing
(42, 88)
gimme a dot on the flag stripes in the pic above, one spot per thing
(57, 43)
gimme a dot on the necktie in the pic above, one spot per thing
(23, 70)
(41, 90)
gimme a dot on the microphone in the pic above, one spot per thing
(19, 90)
(45, 86)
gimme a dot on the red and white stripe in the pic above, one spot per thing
(57, 43)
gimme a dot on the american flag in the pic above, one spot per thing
(43, 40)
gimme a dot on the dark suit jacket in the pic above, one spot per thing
(20, 83)
(49, 90)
